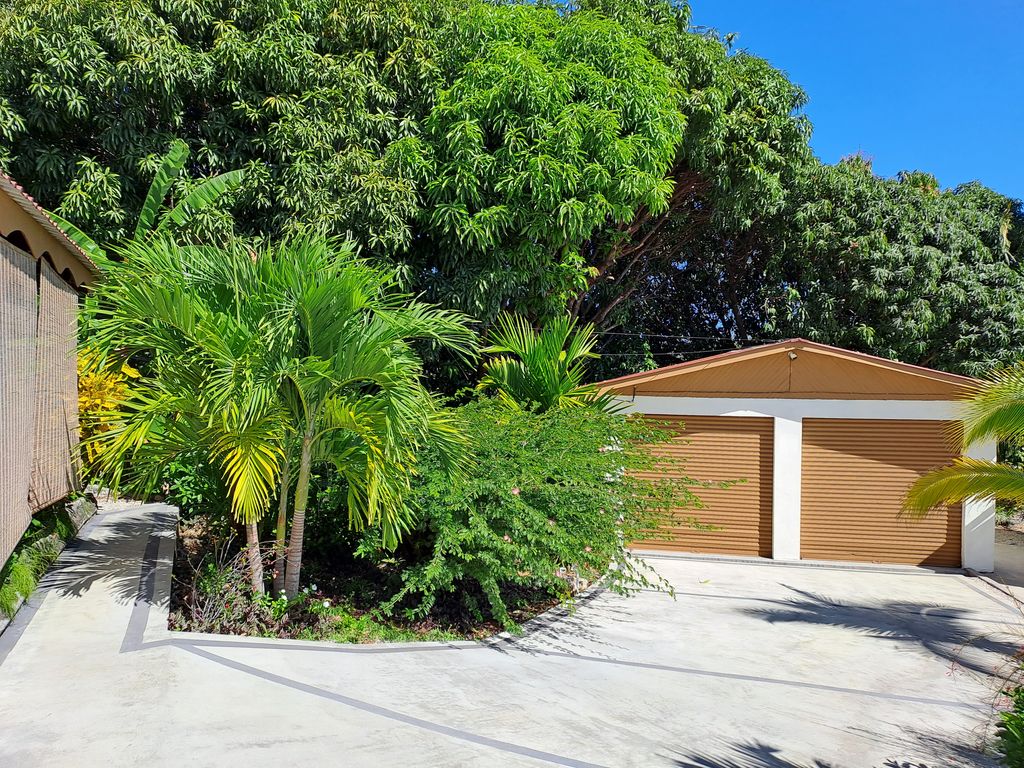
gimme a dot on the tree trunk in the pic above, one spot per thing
(282, 524)
(255, 560)
(291, 580)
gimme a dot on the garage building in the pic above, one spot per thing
(827, 441)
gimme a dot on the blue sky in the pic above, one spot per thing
(931, 85)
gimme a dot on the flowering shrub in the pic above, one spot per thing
(101, 390)
(548, 504)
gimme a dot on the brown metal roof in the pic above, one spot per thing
(26, 202)
(762, 371)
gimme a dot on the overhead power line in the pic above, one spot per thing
(683, 336)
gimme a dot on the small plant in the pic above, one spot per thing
(342, 623)
(1010, 731)
(38, 549)
(541, 369)
(218, 597)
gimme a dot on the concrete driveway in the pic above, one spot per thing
(751, 666)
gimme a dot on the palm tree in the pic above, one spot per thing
(272, 362)
(542, 369)
(350, 382)
(192, 315)
(994, 410)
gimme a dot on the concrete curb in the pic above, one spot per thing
(1002, 588)
(831, 565)
(158, 614)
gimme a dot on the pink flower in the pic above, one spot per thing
(506, 537)
(588, 549)
(515, 491)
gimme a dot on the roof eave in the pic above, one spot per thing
(28, 204)
(725, 358)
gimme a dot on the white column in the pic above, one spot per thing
(978, 537)
(786, 488)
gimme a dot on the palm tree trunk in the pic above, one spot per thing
(253, 557)
(291, 581)
(282, 523)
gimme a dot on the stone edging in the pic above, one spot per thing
(80, 511)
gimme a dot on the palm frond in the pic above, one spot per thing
(544, 369)
(91, 248)
(964, 479)
(170, 167)
(249, 450)
(996, 409)
(202, 196)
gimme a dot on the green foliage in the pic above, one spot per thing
(503, 153)
(38, 549)
(605, 158)
(994, 411)
(744, 142)
(899, 268)
(202, 196)
(188, 310)
(1010, 731)
(18, 580)
(195, 487)
(895, 267)
(306, 97)
(168, 170)
(551, 501)
(541, 370)
(549, 127)
(246, 345)
(301, 348)
(344, 624)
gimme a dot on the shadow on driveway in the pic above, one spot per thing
(756, 754)
(947, 632)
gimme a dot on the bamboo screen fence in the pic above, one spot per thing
(38, 391)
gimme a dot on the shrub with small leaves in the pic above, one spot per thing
(196, 487)
(549, 504)
(1010, 731)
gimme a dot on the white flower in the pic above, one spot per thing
(327, 603)
(314, 587)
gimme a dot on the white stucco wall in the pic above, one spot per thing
(979, 532)
(786, 469)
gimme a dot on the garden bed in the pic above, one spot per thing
(340, 602)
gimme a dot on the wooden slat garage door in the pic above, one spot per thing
(855, 472)
(724, 448)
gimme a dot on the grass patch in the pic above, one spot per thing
(346, 624)
(38, 549)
